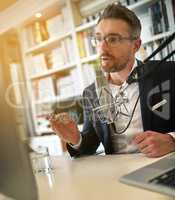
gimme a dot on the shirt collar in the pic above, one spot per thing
(107, 75)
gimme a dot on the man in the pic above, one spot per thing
(117, 38)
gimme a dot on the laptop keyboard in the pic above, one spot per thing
(167, 178)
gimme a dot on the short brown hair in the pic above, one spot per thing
(117, 11)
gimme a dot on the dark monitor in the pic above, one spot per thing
(16, 177)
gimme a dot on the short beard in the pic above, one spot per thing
(116, 68)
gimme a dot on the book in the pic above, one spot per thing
(46, 88)
(146, 23)
(28, 33)
(173, 6)
(66, 16)
(89, 49)
(65, 86)
(55, 26)
(81, 45)
(57, 57)
(88, 73)
(70, 49)
(124, 2)
(38, 64)
(76, 85)
(165, 21)
(40, 31)
(35, 90)
(159, 18)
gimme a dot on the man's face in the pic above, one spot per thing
(116, 57)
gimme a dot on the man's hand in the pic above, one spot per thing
(154, 144)
(65, 128)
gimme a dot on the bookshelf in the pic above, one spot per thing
(59, 61)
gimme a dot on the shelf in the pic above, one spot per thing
(157, 37)
(48, 43)
(50, 131)
(53, 71)
(92, 6)
(58, 99)
(46, 131)
(132, 7)
(140, 4)
(89, 7)
(45, 101)
(86, 26)
(89, 58)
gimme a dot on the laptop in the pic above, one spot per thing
(158, 176)
(16, 176)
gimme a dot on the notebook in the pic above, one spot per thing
(158, 176)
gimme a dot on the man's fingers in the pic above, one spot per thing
(62, 118)
(140, 137)
(59, 127)
(147, 150)
(142, 145)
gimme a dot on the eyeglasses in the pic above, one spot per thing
(111, 40)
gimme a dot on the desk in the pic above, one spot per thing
(94, 178)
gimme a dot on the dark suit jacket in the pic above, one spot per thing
(157, 85)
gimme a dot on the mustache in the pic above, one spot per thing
(106, 55)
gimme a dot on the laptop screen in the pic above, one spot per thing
(16, 177)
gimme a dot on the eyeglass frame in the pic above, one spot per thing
(95, 43)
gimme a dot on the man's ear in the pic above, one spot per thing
(137, 44)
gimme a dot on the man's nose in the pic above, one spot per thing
(102, 46)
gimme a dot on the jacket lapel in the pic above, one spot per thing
(145, 86)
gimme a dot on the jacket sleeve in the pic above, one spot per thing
(90, 140)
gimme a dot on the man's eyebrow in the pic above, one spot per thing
(109, 34)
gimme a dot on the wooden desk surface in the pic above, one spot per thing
(94, 178)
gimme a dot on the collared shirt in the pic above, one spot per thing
(122, 143)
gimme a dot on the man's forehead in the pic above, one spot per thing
(108, 26)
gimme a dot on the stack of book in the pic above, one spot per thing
(42, 30)
(55, 26)
(35, 33)
(146, 23)
(147, 49)
(68, 86)
(43, 89)
(59, 24)
(62, 54)
(65, 87)
(88, 72)
(159, 17)
(128, 2)
(84, 43)
(38, 64)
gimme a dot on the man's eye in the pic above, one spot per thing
(98, 39)
(112, 39)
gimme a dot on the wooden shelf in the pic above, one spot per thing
(53, 71)
(89, 58)
(86, 26)
(58, 99)
(50, 43)
(141, 4)
(157, 37)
